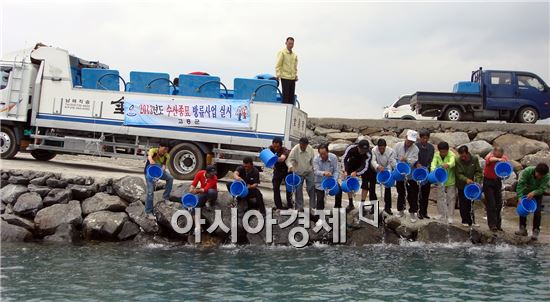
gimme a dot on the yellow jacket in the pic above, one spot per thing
(287, 65)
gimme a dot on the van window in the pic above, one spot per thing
(5, 73)
(406, 100)
(530, 81)
(501, 78)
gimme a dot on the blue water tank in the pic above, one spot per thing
(109, 79)
(245, 87)
(466, 87)
(149, 82)
(209, 85)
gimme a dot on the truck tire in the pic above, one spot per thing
(528, 115)
(186, 159)
(453, 114)
(42, 155)
(8, 143)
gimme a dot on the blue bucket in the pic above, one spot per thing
(238, 189)
(268, 158)
(402, 169)
(472, 191)
(351, 184)
(526, 206)
(189, 200)
(292, 182)
(331, 185)
(154, 171)
(420, 174)
(503, 169)
(385, 178)
(438, 176)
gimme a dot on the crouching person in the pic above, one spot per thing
(208, 189)
(532, 183)
(157, 156)
(250, 175)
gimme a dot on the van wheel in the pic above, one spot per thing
(43, 155)
(186, 160)
(8, 144)
(453, 114)
(528, 115)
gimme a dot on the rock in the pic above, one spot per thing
(510, 199)
(392, 222)
(79, 180)
(209, 214)
(480, 148)
(103, 225)
(48, 219)
(11, 192)
(40, 190)
(454, 139)
(56, 183)
(537, 158)
(310, 133)
(364, 137)
(136, 212)
(128, 231)
(406, 232)
(13, 233)
(65, 233)
(103, 202)
(105, 185)
(517, 166)
(367, 234)
(370, 131)
(517, 147)
(317, 140)
(178, 191)
(130, 188)
(18, 180)
(56, 196)
(391, 141)
(338, 148)
(40, 181)
(28, 204)
(324, 131)
(19, 221)
(81, 192)
(348, 136)
(435, 232)
(488, 136)
(164, 212)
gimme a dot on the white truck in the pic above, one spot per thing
(52, 102)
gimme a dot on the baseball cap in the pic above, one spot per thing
(211, 170)
(412, 135)
(364, 144)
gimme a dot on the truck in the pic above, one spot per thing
(511, 96)
(53, 102)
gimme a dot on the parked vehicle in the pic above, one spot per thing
(401, 109)
(512, 96)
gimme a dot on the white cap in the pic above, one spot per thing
(412, 135)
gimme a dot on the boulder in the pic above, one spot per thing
(317, 140)
(56, 183)
(310, 133)
(391, 141)
(347, 136)
(136, 212)
(367, 234)
(178, 191)
(435, 232)
(103, 202)
(130, 188)
(454, 139)
(510, 198)
(48, 219)
(517, 165)
(164, 212)
(128, 231)
(517, 147)
(80, 180)
(81, 192)
(56, 196)
(40, 190)
(11, 192)
(406, 232)
(223, 206)
(488, 136)
(338, 148)
(537, 158)
(40, 181)
(103, 225)
(364, 137)
(28, 204)
(13, 233)
(18, 180)
(19, 221)
(480, 148)
(64, 233)
(324, 131)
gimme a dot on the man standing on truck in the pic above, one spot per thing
(300, 161)
(357, 162)
(532, 184)
(407, 152)
(446, 198)
(426, 153)
(492, 188)
(286, 70)
(280, 171)
(157, 156)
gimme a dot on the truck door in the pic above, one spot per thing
(532, 91)
(501, 92)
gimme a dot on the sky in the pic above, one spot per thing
(354, 57)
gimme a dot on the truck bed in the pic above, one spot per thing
(445, 98)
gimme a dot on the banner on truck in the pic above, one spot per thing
(218, 113)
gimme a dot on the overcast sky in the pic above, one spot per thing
(354, 57)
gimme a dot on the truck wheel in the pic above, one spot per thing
(528, 115)
(186, 160)
(453, 114)
(43, 155)
(8, 143)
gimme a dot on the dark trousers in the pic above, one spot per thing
(254, 200)
(493, 195)
(278, 179)
(320, 198)
(369, 183)
(288, 91)
(411, 189)
(424, 197)
(387, 199)
(211, 195)
(465, 208)
(536, 215)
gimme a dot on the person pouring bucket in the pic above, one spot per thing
(300, 161)
(468, 171)
(157, 157)
(532, 184)
(280, 171)
(407, 152)
(383, 159)
(249, 177)
(446, 197)
(207, 182)
(492, 188)
(325, 168)
(357, 162)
